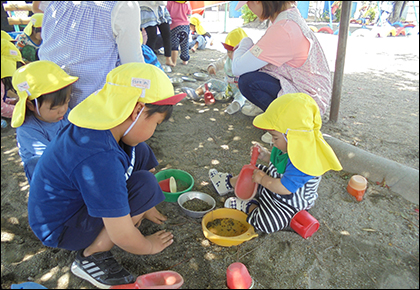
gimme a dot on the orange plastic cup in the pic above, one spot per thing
(357, 186)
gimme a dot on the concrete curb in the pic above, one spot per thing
(401, 179)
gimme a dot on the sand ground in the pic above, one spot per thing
(369, 244)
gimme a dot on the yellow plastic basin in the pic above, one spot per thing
(227, 213)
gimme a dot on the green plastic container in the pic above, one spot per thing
(184, 182)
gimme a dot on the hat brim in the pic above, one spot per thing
(261, 122)
(228, 47)
(170, 101)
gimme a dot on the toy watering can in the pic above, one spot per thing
(245, 188)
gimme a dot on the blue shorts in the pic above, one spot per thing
(144, 193)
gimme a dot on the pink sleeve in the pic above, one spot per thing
(6, 109)
(282, 43)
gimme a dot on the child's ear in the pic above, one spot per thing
(30, 105)
(139, 106)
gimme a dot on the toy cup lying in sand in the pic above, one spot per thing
(357, 186)
(304, 224)
(245, 188)
(237, 277)
(156, 280)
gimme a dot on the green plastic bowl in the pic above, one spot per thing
(184, 182)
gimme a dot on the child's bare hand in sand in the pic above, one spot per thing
(160, 240)
(211, 70)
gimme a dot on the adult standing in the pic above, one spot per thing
(154, 14)
(88, 39)
(287, 59)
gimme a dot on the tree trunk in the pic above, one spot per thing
(397, 11)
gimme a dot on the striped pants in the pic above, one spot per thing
(275, 212)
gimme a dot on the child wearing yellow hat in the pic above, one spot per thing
(224, 90)
(29, 41)
(44, 93)
(93, 186)
(198, 33)
(298, 160)
(10, 56)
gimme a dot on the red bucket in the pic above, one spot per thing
(304, 224)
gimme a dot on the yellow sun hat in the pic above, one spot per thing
(9, 56)
(5, 35)
(234, 38)
(35, 21)
(196, 20)
(34, 80)
(297, 115)
(125, 85)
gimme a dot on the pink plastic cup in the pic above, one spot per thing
(238, 277)
(304, 224)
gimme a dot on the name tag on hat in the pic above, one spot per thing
(23, 86)
(140, 83)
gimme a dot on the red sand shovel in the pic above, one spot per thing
(208, 96)
(245, 188)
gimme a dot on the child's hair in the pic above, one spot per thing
(271, 8)
(7, 82)
(57, 98)
(166, 109)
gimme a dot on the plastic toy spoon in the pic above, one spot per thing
(155, 280)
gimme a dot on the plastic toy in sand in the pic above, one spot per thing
(325, 29)
(313, 28)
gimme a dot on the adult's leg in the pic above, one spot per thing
(151, 37)
(165, 32)
(259, 88)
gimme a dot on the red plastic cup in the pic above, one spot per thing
(304, 224)
(168, 185)
(238, 276)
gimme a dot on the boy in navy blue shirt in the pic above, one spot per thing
(92, 186)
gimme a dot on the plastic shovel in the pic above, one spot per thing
(245, 188)
(155, 280)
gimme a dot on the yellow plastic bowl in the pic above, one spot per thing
(227, 213)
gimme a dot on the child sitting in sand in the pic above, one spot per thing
(299, 158)
(92, 187)
(44, 93)
(198, 34)
(29, 41)
(227, 89)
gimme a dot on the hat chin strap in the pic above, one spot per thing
(132, 124)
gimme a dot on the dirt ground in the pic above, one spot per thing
(369, 244)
